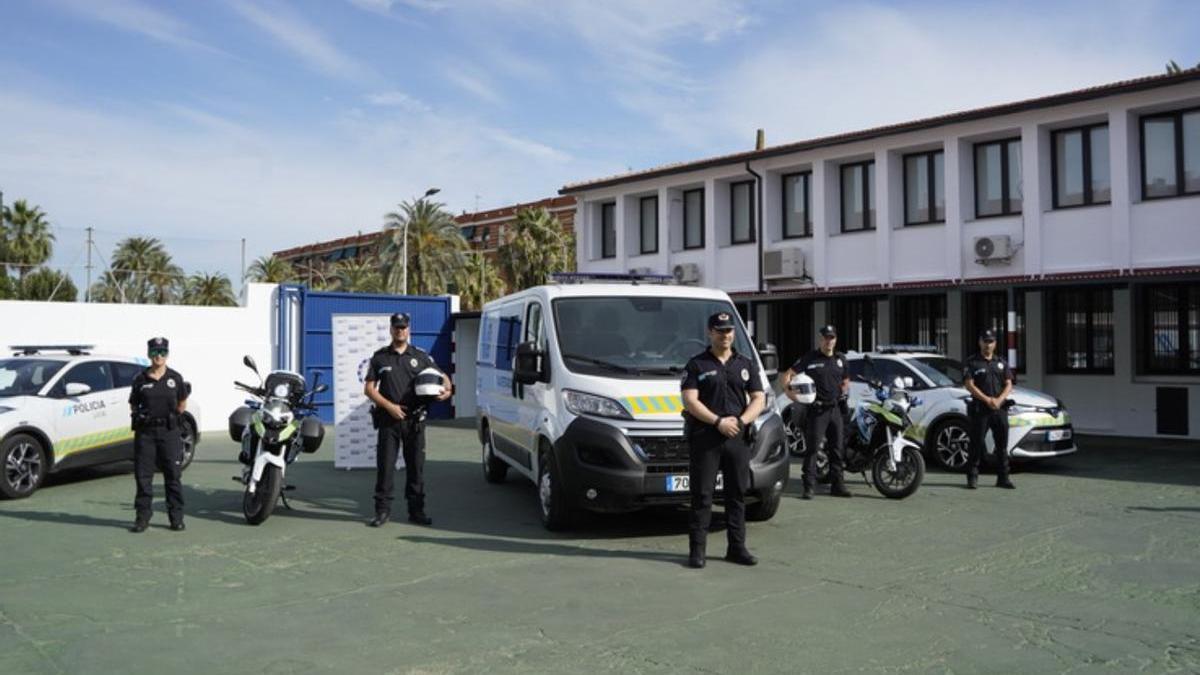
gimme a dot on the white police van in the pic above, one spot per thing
(578, 390)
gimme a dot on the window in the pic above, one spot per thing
(797, 205)
(1171, 154)
(858, 197)
(123, 373)
(95, 374)
(998, 178)
(1170, 329)
(741, 212)
(924, 194)
(887, 370)
(693, 218)
(608, 230)
(1080, 330)
(648, 224)
(921, 320)
(990, 310)
(1080, 166)
(857, 323)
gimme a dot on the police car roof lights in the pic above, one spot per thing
(904, 348)
(30, 350)
(610, 278)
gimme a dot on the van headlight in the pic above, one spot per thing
(590, 404)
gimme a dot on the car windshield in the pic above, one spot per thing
(637, 336)
(26, 377)
(941, 371)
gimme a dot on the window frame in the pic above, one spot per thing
(908, 309)
(1005, 187)
(868, 211)
(703, 224)
(642, 225)
(59, 390)
(1145, 330)
(806, 177)
(1053, 339)
(933, 186)
(1176, 116)
(749, 185)
(605, 208)
(1088, 198)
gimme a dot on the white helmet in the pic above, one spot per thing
(803, 386)
(429, 383)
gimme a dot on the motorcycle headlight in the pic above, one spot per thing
(276, 414)
(590, 404)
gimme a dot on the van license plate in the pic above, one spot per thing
(1058, 435)
(680, 482)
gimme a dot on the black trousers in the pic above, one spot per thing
(825, 423)
(410, 435)
(709, 451)
(161, 448)
(979, 420)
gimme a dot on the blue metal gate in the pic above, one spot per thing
(305, 332)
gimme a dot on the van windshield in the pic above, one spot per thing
(636, 337)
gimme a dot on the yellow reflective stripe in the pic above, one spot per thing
(654, 405)
(91, 441)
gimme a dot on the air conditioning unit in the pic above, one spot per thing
(641, 270)
(995, 248)
(686, 273)
(786, 263)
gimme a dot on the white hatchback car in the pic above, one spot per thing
(1039, 425)
(62, 407)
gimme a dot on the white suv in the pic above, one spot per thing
(62, 407)
(1039, 425)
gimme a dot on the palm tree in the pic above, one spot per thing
(478, 281)
(107, 289)
(358, 275)
(142, 266)
(44, 283)
(8, 289)
(535, 247)
(28, 239)
(271, 270)
(213, 290)
(435, 248)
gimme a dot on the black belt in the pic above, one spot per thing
(158, 422)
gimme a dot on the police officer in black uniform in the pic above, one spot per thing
(157, 398)
(400, 418)
(990, 381)
(723, 394)
(828, 370)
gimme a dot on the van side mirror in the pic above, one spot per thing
(527, 367)
(769, 356)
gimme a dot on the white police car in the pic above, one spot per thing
(62, 407)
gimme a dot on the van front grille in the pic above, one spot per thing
(661, 448)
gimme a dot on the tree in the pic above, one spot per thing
(269, 269)
(8, 289)
(357, 275)
(107, 289)
(28, 239)
(213, 290)
(44, 283)
(478, 281)
(435, 248)
(1174, 69)
(144, 270)
(316, 274)
(534, 248)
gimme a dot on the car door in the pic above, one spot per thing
(91, 428)
(531, 398)
(504, 403)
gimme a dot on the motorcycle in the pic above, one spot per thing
(875, 439)
(274, 427)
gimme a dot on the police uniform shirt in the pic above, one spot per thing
(989, 376)
(827, 373)
(395, 373)
(159, 399)
(722, 387)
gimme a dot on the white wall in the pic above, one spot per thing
(207, 343)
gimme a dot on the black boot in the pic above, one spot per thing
(839, 490)
(177, 524)
(380, 518)
(696, 559)
(972, 481)
(807, 492)
(140, 526)
(741, 556)
(1002, 481)
(419, 518)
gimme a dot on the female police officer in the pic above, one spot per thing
(157, 398)
(723, 394)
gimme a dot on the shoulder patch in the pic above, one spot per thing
(1000, 365)
(745, 375)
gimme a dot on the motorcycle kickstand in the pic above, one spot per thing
(865, 479)
(283, 496)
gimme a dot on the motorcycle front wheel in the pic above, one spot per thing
(902, 482)
(258, 506)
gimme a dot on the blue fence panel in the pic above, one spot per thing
(431, 331)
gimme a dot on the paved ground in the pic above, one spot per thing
(1091, 565)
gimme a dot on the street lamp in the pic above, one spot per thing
(404, 282)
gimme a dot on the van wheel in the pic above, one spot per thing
(24, 466)
(555, 513)
(494, 468)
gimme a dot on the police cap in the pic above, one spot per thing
(720, 321)
(400, 320)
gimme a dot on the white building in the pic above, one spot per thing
(1080, 209)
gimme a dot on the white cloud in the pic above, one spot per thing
(397, 99)
(304, 40)
(138, 18)
(471, 81)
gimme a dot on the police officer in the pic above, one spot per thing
(990, 381)
(158, 396)
(827, 368)
(723, 394)
(400, 418)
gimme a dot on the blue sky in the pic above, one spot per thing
(286, 122)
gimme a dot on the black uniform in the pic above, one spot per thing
(825, 415)
(157, 440)
(990, 376)
(395, 372)
(724, 389)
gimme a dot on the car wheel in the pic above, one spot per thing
(793, 429)
(187, 433)
(494, 468)
(949, 445)
(556, 515)
(25, 466)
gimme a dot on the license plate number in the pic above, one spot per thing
(1059, 435)
(681, 482)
